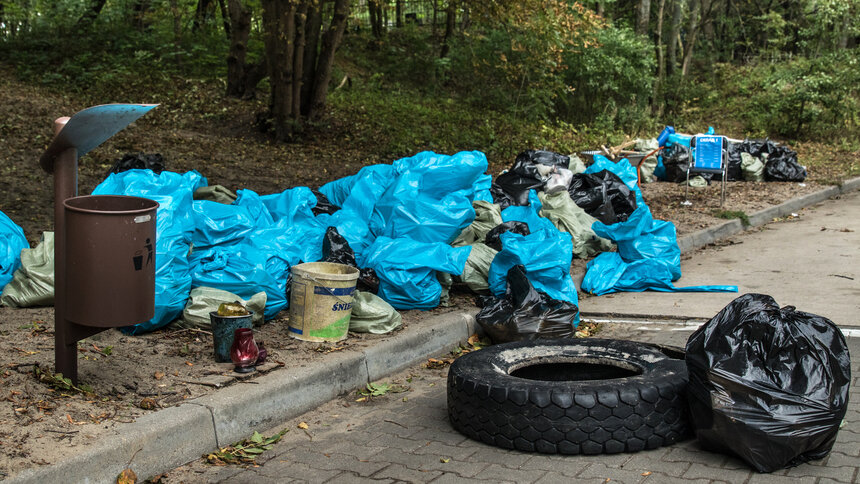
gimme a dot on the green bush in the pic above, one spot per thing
(612, 82)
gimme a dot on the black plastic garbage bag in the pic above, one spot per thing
(544, 158)
(335, 248)
(492, 239)
(512, 187)
(323, 204)
(525, 313)
(781, 161)
(677, 159)
(603, 195)
(782, 166)
(142, 161)
(768, 384)
(734, 170)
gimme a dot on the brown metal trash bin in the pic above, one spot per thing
(110, 260)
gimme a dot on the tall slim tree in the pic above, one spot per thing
(692, 33)
(450, 22)
(674, 35)
(643, 15)
(299, 82)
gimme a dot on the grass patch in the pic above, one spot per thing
(734, 214)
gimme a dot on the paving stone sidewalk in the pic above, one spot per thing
(406, 437)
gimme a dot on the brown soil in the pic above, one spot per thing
(40, 421)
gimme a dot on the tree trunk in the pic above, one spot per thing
(661, 60)
(203, 14)
(298, 60)
(309, 65)
(92, 13)
(225, 18)
(398, 13)
(450, 22)
(240, 19)
(466, 21)
(692, 32)
(675, 31)
(374, 8)
(139, 10)
(844, 32)
(601, 9)
(279, 21)
(330, 43)
(643, 15)
(435, 10)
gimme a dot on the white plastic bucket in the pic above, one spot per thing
(321, 300)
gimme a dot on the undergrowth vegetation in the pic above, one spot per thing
(564, 79)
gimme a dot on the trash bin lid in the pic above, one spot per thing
(91, 127)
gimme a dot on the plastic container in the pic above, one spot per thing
(321, 300)
(664, 135)
(110, 260)
(223, 331)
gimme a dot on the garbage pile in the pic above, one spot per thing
(412, 228)
(747, 160)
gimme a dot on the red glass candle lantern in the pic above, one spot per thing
(244, 351)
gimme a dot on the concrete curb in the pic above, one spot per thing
(160, 441)
(712, 234)
(174, 436)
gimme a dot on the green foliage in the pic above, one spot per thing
(611, 83)
(734, 214)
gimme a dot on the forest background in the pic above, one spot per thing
(382, 79)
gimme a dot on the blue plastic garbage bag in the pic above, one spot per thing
(608, 273)
(174, 227)
(219, 224)
(253, 202)
(648, 258)
(642, 237)
(338, 191)
(407, 270)
(482, 188)
(546, 257)
(244, 270)
(530, 214)
(431, 198)
(12, 241)
(623, 169)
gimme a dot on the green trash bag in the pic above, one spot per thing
(477, 269)
(568, 217)
(203, 300)
(32, 284)
(646, 169)
(446, 281)
(371, 314)
(215, 193)
(487, 216)
(752, 168)
(576, 164)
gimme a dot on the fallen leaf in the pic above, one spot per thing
(646, 474)
(444, 460)
(189, 363)
(127, 476)
(147, 404)
(158, 375)
(303, 425)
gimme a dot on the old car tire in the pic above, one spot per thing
(570, 396)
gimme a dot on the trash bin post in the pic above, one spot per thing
(74, 137)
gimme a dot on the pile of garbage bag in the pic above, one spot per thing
(413, 228)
